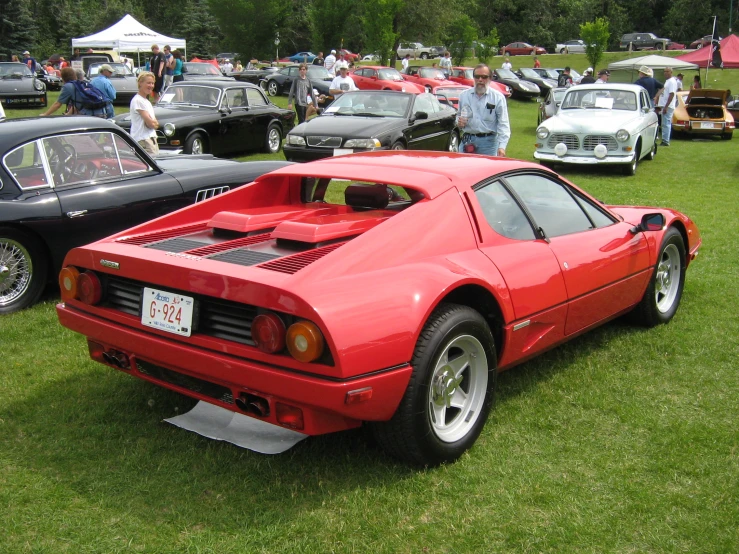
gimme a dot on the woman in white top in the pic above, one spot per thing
(143, 122)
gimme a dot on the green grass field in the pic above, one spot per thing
(624, 440)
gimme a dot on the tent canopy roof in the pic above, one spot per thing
(729, 54)
(128, 35)
(652, 61)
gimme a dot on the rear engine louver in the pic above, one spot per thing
(178, 244)
(229, 245)
(242, 256)
(148, 238)
(293, 264)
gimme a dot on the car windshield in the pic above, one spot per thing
(600, 99)
(15, 70)
(191, 95)
(550, 73)
(468, 74)
(119, 69)
(529, 73)
(452, 92)
(506, 74)
(370, 103)
(431, 73)
(318, 72)
(196, 68)
(390, 75)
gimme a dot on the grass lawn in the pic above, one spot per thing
(623, 440)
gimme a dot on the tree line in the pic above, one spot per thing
(250, 27)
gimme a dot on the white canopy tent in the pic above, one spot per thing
(128, 35)
(630, 68)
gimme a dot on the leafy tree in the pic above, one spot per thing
(487, 47)
(17, 28)
(595, 35)
(378, 23)
(327, 23)
(251, 26)
(461, 33)
(200, 29)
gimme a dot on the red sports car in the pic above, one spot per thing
(378, 77)
(449, 94)
(521, 49)
(349, 55)
(427, 77)
(463, 76)
(385, 289)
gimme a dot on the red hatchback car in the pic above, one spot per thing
(463, 76)
(384, 289)
(377, 77)
(521, 49)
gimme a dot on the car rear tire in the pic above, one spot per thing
(273, 89)
(273, 141)
(450, 392)
(665, 289)
(23, 270)
(195, 144)
(453, 145)
(727, 136)
(424, 56)
(397, 145)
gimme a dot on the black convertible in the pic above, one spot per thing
(281, 80)
(68, 181)
(369, 120)
(218, 117)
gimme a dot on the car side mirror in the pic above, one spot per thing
(649, 222)
(419, 115)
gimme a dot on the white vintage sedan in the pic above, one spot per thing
(600, 124)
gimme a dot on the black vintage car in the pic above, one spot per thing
(254, 76)
(280, 82)
(122, 79)
(202, 71)
(51, 81)
(545, 84)
(369, 120)
(68, 181)
(218, 117)
(19, 87)
(519, 87)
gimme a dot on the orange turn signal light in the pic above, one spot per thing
(305, 341)
(68, 277)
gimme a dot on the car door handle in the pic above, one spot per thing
(78, 213)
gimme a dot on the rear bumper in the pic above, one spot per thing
(222, 379)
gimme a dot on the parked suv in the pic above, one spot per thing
(416, 50)
(642, 41)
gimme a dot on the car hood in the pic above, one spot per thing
(348, 125)
(598, 121)
(710, 97)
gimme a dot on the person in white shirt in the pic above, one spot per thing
(143, 121)
(507, 64)
(445, 64)
(227, 67)
(341, 84)
(679, 79)
(666, 105)
(405, 62)
(330, 62)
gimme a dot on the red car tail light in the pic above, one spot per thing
(89, 289)
(731, 125)
(289, 416)
(268, 333)
(68, 282)
(304, 341)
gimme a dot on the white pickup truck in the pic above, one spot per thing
(418, 50)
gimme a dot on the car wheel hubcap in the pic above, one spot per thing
(667, 279)
(16, 271)
(272, 89)
(274, 140)
(453, 143)
(197, 146)
(458, 388)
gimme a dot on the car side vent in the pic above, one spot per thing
(212, 249)
(242, 256)
(210, 193)
(175, 245)
(293, 264)
(148, 238)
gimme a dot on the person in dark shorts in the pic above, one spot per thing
(156, 66)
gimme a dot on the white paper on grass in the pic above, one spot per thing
(221, 424)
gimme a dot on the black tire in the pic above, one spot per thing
(630, 169)
(196, 144)
(23, 270)
(662, 297)
(273, 140)
(450, 392)
(653, 152)
(424, 56)
(563, 50)
(428, 88)
(273, 89)
(397, 145)
(727, 136)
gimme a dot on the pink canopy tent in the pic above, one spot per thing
(729, 54)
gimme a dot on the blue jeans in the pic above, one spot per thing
(483, 145)
(667, 124)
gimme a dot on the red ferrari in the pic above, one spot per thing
(377, 77)
(427, 77)
(386, 289)
(463, 76)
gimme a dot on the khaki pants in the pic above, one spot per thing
(150, 145)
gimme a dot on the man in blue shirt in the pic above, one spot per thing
(103, 84)
(483, 117)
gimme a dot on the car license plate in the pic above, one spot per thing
(342, 151)
(167, 311)
(707, 125)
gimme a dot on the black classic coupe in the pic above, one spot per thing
(68, 181)
(368, 120)
(281, 80)
(218, 117)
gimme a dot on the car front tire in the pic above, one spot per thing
(23, 270)
(450, 392)
(195, 144)
(273, 140)
(662, 297)
(273, 89)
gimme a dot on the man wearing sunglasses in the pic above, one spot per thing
(483, 117)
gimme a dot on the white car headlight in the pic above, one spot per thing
(362, 143)
(295, 140)
(622, 135)
(169, 129)
(542, 133)
(38, 85)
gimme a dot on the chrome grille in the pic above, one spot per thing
(324, 142)
(591, 141)
(570, 141)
